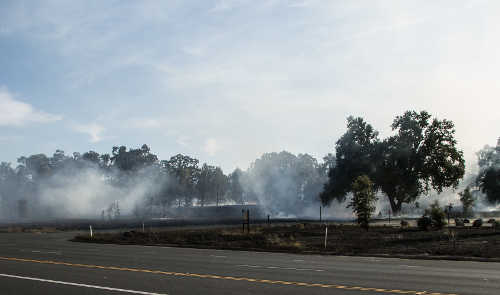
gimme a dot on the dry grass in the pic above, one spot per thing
(308, 237)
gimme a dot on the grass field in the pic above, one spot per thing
(343, 239)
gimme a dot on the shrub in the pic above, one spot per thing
(363, 200)
(437, 215)
(467, 202)
(424, 222)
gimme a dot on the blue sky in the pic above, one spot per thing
(226, 81)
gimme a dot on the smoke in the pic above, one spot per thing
(83, 192)
(90, 191)
(287, 185)
(135, 183)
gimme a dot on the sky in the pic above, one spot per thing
(225, 81)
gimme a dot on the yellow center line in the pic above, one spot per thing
(219, 277)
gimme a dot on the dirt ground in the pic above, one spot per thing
(342, 239)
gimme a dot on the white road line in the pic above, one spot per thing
(80, 285)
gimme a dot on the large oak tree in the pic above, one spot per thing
(420, 156)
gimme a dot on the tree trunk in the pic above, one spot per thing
(395, 205)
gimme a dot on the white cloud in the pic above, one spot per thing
(94, 130)
(211, 147)
(17, 113)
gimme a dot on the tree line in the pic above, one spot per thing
(282, 182)
(421, 155)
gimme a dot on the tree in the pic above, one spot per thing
(38, 165)
(235, 189)
(467, 202)
(91, 157)
(354, 157)
(220, 184)
(421, 156)
(282, 181)
(205, 182)
(363, 200)
(9, 188)
(131, 160)
(185, 171)
(488, 178)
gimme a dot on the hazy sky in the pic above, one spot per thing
(226, 81)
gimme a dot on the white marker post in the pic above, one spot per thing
(91, 233)
(143, 226)
(326, 234)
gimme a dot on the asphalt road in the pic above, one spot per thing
(50, 264)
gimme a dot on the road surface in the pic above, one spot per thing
(50, 264)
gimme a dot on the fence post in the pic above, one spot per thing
(326, 234)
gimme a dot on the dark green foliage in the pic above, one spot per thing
(354, 157)
(437, 215)
(421, 156)
(477, 223)
(133, 159)
(433, 216)
(363, 200)
(489, 173)
(424, 222)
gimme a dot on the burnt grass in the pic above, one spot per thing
(309, 238)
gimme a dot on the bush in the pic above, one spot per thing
(437, 215)
(363, 200)
(424, 222)
(477, 223)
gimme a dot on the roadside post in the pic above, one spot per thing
(448, 212)
(326, 234)
(320, 214)
(243, 219)
(91, 233)
(248, 221)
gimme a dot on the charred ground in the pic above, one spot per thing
(306, 237)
